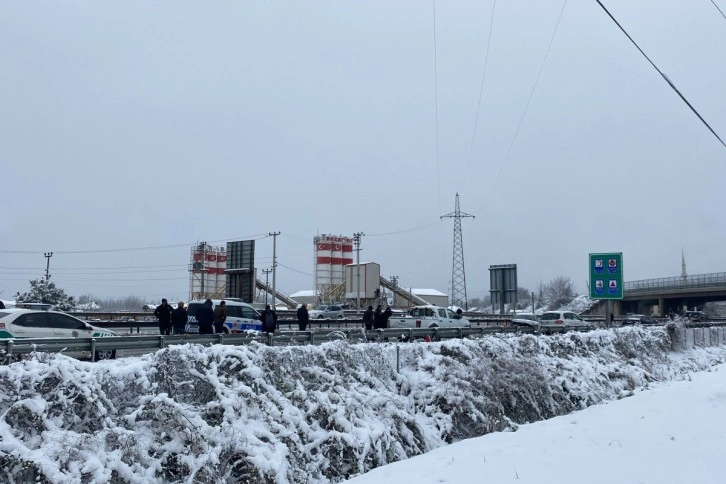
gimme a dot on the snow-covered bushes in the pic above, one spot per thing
(303, 414)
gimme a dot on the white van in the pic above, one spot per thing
(240, 316)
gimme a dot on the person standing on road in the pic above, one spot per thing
(220, 316)
(386, 316)
(163, 314)
(303, 318)
(269, 320)
(179, 319)
(368, 318)
(378, 318)
(205, 317)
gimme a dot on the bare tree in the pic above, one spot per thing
(559, 291)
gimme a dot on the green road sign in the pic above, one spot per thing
(606, 276)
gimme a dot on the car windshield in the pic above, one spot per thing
(320, 308)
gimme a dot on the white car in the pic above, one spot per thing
(327, 312)
(563, 319)
(429, 317)
(240, 316)
(30, 323)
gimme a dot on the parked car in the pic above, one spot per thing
(696, 316)
(526, 320)
(327, 312)
(563, 319)
(32, 323)
(240, 316)
(633, 319)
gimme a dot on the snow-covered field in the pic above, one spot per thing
(672, 433)
(318, 414)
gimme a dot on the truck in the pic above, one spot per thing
(429, 317)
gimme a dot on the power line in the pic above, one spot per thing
(719, 9)
(294, 270)
(131, 249)
(670, 83)
(403, 230)
(481, 90)
(436, 106)
(529, 100)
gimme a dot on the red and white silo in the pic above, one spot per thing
(323, 256)
(336, 263)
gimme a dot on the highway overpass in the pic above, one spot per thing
(668, 294)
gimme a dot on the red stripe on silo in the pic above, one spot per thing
(347, 261)
(347, 248)
(336, 261)
(323, 246)
(324, 260)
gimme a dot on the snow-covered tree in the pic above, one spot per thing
(559, 291)
(44, 291)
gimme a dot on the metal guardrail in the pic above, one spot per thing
(714, 279)
(18, 346)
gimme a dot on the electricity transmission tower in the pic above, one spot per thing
(458, 275)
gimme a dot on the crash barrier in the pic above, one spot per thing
(20, 346)
(706, 335)
(702, 337)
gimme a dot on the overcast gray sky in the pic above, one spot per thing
(129, 125)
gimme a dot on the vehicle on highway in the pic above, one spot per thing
(33, 323)
(563, 319)
(332, 311)
(240, 316)
(635, 319)
(525, 320)
(696, 316)
(429, 317)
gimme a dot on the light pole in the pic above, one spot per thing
(47, 256)
(356, 240)
(267, 285)
(274, 267)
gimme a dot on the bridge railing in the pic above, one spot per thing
(681, 282)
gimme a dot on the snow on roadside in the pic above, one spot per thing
(670, 434)
(306, 413)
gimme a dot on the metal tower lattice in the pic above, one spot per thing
(458, 274)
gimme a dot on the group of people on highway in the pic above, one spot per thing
(211, 319)
(377, 319)
(170, 318)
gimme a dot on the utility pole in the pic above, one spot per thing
(203, 245)
(532, 303)
(267, 285)
(356, 241)
(274, 266)
(47, 256)
(458, 275)
(394, 281)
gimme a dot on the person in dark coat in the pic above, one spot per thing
(163, 314)
(220, 316)
(179, 319)
(205, 317)
(386, 316)
(378, 318)
(269, 320)
(368, 318)
(303, 318)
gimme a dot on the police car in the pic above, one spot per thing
(34, 323)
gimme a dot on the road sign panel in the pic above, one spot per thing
(606, 275)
